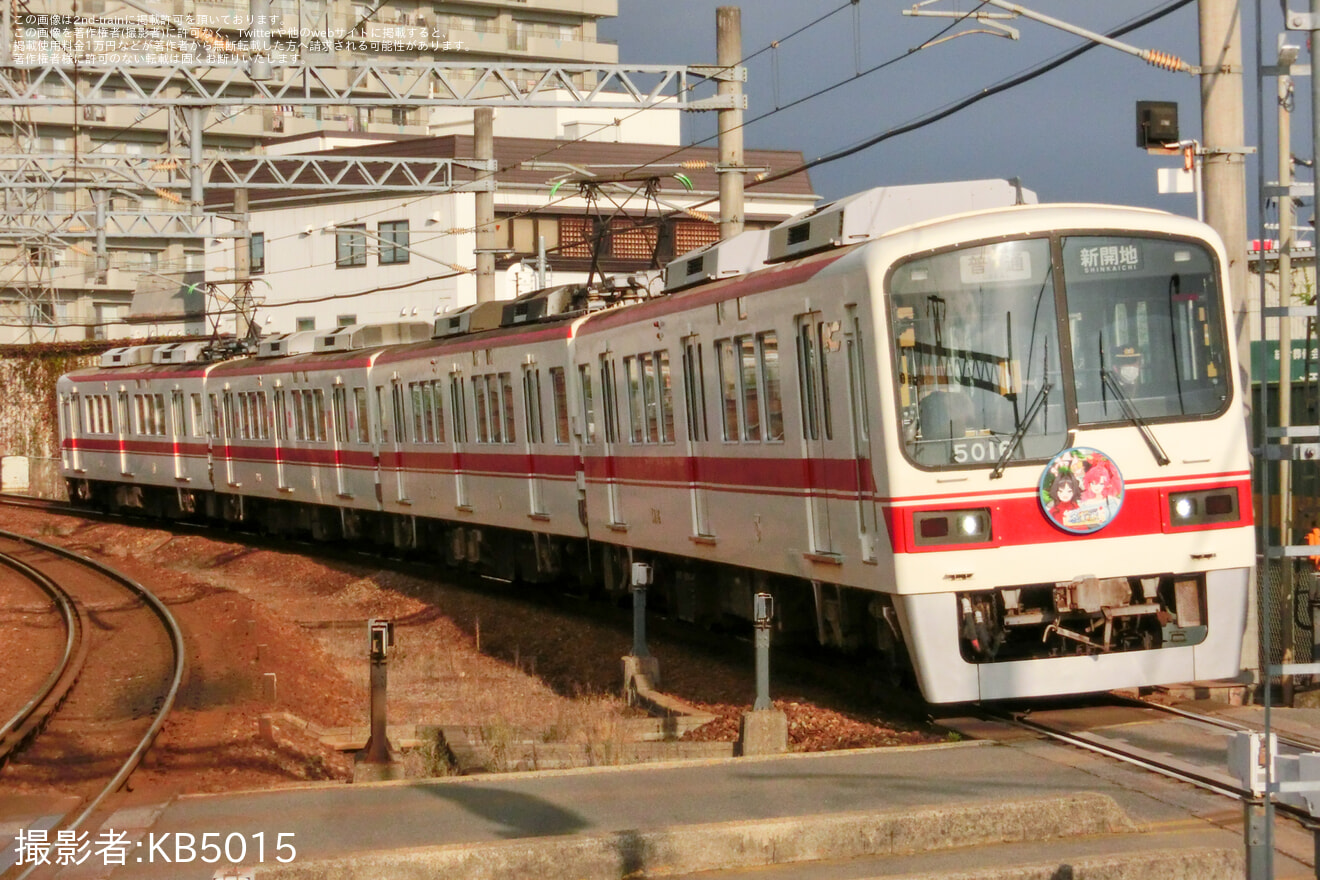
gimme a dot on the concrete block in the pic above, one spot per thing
(720, 846)
(647, 668)
(763, 732)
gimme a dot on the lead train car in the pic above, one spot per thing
(1006, 446)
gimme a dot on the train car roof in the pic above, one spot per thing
(141, 371)
(559, 327)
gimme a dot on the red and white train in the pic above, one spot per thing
(1005, 445)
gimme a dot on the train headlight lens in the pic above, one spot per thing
(970, 524)
(1204, 507)
(952, 526)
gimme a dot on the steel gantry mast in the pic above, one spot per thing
(243, 76)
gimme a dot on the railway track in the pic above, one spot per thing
(99, 733)
(1182, 744)
(52, 692)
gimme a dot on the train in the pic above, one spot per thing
(995, 445)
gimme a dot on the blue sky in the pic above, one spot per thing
(1069, 135)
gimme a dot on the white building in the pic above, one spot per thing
(320, 261)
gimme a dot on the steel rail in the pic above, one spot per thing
(167, 704)
(17, 730)
(1136, 758)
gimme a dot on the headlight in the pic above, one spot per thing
(952, 526)
(1203, 507)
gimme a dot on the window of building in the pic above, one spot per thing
(575, 236)
(257, 253)
(633, 239)
(394, 242)
(351, 246)
(344, 320)
(305, 323)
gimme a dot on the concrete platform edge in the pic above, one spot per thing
(1172, 864)
(688, 849)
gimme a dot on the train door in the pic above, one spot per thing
(281, 436)
(694, 395)
(227, 426)
(72, 430)
(817, 426)
(125, 427)
(459, 417)
(400, 437)
(610, 413)
(177, 431)
(339, 412)
(535, 436)
(862, 473)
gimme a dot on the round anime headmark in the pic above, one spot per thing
(1081, 490)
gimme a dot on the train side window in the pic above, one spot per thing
(418, 412)
(823, 347)
(479, 403)
(400, 417)
(217, 421)
(245, 428)
(281, 425)
(139, 415)
(177, 413)
(158, 415)
(666, 390)
(363, 414)
(438, 399)
(198, 415)
(609, 399)
(299, 428)
(651, 397)
(588, 405)
(694, 389)
(751, 401)
(308, 416)
(230, 422)
(727, 359)
(458, 407)
(506, 389)
(636, 407)
(318, 396)
(559, 398)
(339, 405)
(532, 405)
(494, 408)
(428, 411)
(767, 347)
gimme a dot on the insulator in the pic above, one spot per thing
(169, 196)
(1165, 60)
(694, 164)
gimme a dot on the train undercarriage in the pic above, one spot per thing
(1083, 616)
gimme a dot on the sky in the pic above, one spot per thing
(1070, 134)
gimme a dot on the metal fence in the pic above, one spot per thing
(1285, 611)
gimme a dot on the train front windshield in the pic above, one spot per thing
(987, 371)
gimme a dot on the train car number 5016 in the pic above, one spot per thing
(979, 449)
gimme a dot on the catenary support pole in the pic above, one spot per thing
(728, 55)
(483, 126)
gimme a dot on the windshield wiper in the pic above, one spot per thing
(1107, 378)
(1016, 440)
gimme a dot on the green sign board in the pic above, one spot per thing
(1265, 361)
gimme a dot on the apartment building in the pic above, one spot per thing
(61, 282)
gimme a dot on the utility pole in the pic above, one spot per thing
(1223, 137)
(728, 58)
(483, 130)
